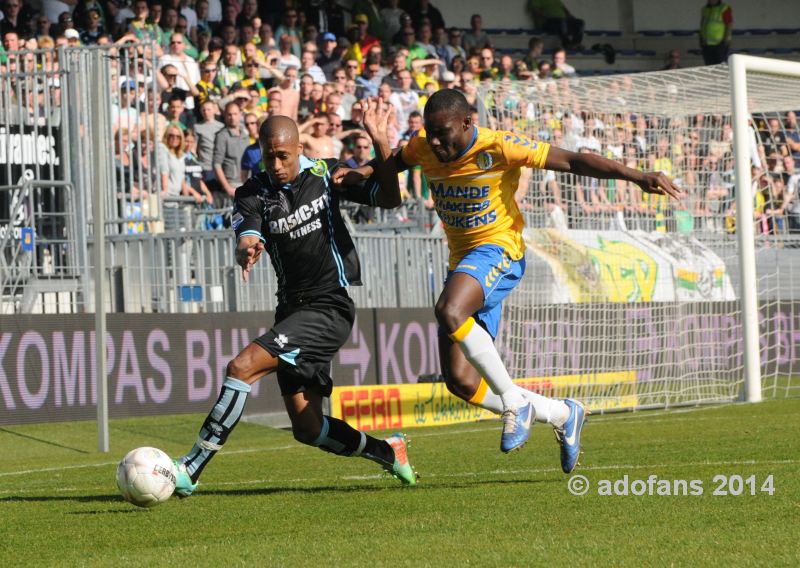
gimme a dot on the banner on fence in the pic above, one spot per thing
(633, 266)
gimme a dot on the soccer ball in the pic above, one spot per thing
(146, 477)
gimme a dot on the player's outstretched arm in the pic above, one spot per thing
(596, 166)
(376, 121)
(248, 251)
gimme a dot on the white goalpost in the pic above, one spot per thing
(740, 65)
(631, 301)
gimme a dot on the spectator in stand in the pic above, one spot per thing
(290, 96)
(251, 158)
(194, 171)
(248, 14)
(535, 53)
(207, 88)
(186, 68)
(487, 61)
(317, 144)
(289, 27)
(141, 26)
(201, 15)
(775, 206)
(425, 10)
(287, 57)
(672, 60)
(362, 154)
(716, 29)
(361, 41)
(251, 81)
(425, 40)
(229, 145)
(392, 78)
(266, 39)
(425, 71)
(123, 115)
(475, 38)
(229, 71)
(178, 114)
(774, 140)
(13, 18)
(369, 81)
(171, 162)
(275, 99)
(150, 118)
(405, 100)
(93, 29)
(305, 105)
(792, 135)
(206, 131)
(329, 58)
(229, 14)
(506, 68)
(167, 79)
(553, 17)
(392, 15)
(560, 66)
(308, 66)
(453, 47)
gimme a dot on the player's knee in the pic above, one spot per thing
(304, 434)
(239, 368)
(449, 315)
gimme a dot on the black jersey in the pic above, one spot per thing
(302, 228)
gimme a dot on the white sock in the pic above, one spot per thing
(478, 347)
(486, 399)
(548, 410)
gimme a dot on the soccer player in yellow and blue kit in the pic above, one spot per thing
(473, 173)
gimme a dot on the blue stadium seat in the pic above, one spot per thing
(682, 33)
(781, 50)
(653, 33)
(787, 31)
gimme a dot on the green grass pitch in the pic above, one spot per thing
(268, 501)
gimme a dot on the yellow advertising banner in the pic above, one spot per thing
(385, 407)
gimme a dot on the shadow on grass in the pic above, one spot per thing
(277, 490)
(41, 441)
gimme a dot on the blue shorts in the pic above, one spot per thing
(497, 274)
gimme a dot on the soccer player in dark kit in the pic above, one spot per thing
(291, 211)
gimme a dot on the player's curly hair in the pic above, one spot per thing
(448, 100)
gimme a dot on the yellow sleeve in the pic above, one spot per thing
(520, 150)
(410, 152)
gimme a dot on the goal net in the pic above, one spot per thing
(630, 300)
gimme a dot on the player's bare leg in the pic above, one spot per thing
(252, 363)
(463, 296)
(310, 426)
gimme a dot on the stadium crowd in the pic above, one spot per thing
(197, 77)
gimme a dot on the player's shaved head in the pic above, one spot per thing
(279, 128)
(280, 148)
